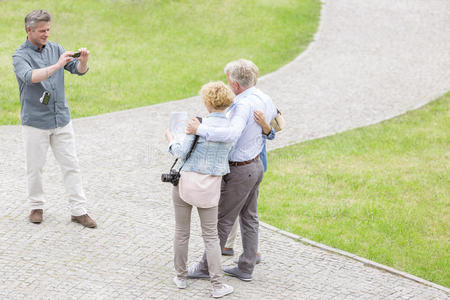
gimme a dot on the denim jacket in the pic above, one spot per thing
(208, 157)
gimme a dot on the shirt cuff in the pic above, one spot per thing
(76, 69)
(201, 131)
(271, 134)
(28, 76)
(170, 145)
(81, 74)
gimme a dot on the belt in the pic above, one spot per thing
(242, 163)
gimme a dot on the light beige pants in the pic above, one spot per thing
(62, 141)
(208, 220)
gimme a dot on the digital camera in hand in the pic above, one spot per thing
(172, 177)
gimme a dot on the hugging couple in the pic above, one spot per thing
(221, 175)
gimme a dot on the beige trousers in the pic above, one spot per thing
(208, 220)
(62, 141)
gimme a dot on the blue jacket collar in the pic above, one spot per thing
(217, 114)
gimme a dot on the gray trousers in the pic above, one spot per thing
(239, 197)
(208, 220)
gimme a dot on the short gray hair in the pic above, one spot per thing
(37, 16)
(243, 72)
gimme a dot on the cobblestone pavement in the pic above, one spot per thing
(371, 60)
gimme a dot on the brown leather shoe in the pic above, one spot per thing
(36, 216)
(84, 220)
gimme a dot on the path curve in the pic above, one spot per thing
(371, 60)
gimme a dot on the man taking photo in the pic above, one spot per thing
(39, 66)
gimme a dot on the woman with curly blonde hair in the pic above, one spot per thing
(199, 186)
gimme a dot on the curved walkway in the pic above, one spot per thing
(371, 60)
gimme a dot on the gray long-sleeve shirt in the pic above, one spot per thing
(56, 113)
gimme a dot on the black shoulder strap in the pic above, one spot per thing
(192, 148)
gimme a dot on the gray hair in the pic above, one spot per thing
(243, 72)
(37, 16)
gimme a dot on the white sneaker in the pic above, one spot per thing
(223, 291)
(180, 283)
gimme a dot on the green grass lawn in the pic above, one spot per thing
(147, 52)
(381, 192)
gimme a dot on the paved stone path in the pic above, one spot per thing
(371, 60)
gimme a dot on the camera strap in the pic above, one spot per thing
(190, 151)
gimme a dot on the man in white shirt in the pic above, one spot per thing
(239, 192)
